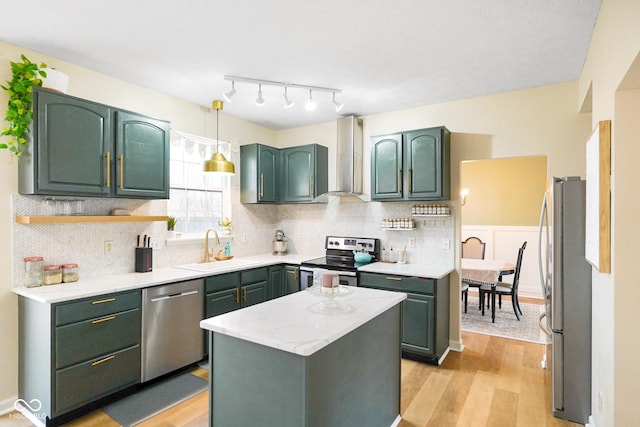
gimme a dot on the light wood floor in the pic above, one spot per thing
(493, 382)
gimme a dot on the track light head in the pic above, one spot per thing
(311, 105)
(287, 102)
(227, 96)
(337, 104)
(260, 99)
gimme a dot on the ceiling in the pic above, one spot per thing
(382, 55)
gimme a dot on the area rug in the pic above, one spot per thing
(152, 400)
(506, 325)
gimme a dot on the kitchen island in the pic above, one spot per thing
(294, 361)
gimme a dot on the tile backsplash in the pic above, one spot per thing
(305, 226)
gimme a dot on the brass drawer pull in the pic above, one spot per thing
(244, 294)
(104, 319)
(106, 359)
(395, 278)
(237, 296)
(261, 185)
(108, 169)
(102, 301)
(121, 171)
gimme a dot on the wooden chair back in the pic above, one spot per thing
(473, 247)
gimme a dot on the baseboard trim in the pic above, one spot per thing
(456, 345)
(6, 405)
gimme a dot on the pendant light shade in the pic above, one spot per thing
(217, 163)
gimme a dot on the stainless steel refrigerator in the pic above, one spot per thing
(565, 277)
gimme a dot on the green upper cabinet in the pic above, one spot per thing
(82, 148)
(142, 150)
(412, 165)
(386, 167)
(289, 175)
(304, 173)
(259, 166)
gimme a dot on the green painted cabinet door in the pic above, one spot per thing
(255, 293)
(386, 167)
(292, 279)
(259, 177)
(221, 302)
(142, 156)
(304, 173)
(69, 155)
(426, 160)
(275, 282)
(418, 324)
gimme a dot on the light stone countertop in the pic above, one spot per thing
(298, 324)
(127, 281)
(417, 270)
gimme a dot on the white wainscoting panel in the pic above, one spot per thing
(502, 243)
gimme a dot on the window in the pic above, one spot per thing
(197, 200)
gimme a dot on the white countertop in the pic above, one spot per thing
(127, 281)
(418, 270)
(296, 323)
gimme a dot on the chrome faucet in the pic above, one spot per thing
(207, 254)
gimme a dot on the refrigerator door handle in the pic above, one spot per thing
(543, 216)
(542, 323)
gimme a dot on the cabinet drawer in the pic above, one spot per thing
(81, 384)
(253, 276)
(92, 338)
(398, 283)
(90, 308)
(221, 281)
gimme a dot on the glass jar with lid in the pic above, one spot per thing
(52, 274)
(69, 273)
(33, 272)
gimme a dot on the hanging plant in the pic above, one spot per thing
(26, 74)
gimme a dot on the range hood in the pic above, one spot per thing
(348, 157)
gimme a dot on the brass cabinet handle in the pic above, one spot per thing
(394, 278)
(108, 169)
(102, 301)
(311, 185)
(409, 173)
(106, 359)
(237, 296)
(104, 319)
(244, 294)
(399, 180)
(261, 185)
(121, 171)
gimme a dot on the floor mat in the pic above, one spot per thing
(506, 324)
(145, 403)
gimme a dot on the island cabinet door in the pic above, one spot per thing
(418, 322)
(142, 156)
(72, 138)
(386, 167)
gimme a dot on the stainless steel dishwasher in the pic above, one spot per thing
(171, 333)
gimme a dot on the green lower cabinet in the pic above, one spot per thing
(417, 323)
(291, 279)
(276, 281)
(425, 312)
(255, 293)
(221, 302)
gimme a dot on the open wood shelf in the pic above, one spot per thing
(28, 219)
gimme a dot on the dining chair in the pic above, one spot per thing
(464, 289)
(473, 247)
(505, 288)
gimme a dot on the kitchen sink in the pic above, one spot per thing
(217, 265)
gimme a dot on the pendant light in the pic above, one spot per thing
(217, 163)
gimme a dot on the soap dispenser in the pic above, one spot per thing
(227, 249)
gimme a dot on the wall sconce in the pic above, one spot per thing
(463, 196)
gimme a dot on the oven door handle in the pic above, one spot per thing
(340, 273)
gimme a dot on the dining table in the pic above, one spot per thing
(479, 272)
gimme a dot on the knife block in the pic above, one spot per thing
(144, 260)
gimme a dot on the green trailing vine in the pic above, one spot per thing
(26, 75)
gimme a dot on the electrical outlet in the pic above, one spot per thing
(446, 244)
(300, 236)
(108, 247)
(155, 243)
(244, 237)
(412, 242)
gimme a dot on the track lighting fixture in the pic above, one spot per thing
(336, 103)
(260, 99)
(311, 105)
(287, 102)
(227, 96)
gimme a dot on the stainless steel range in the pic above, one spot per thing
(339, 257)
